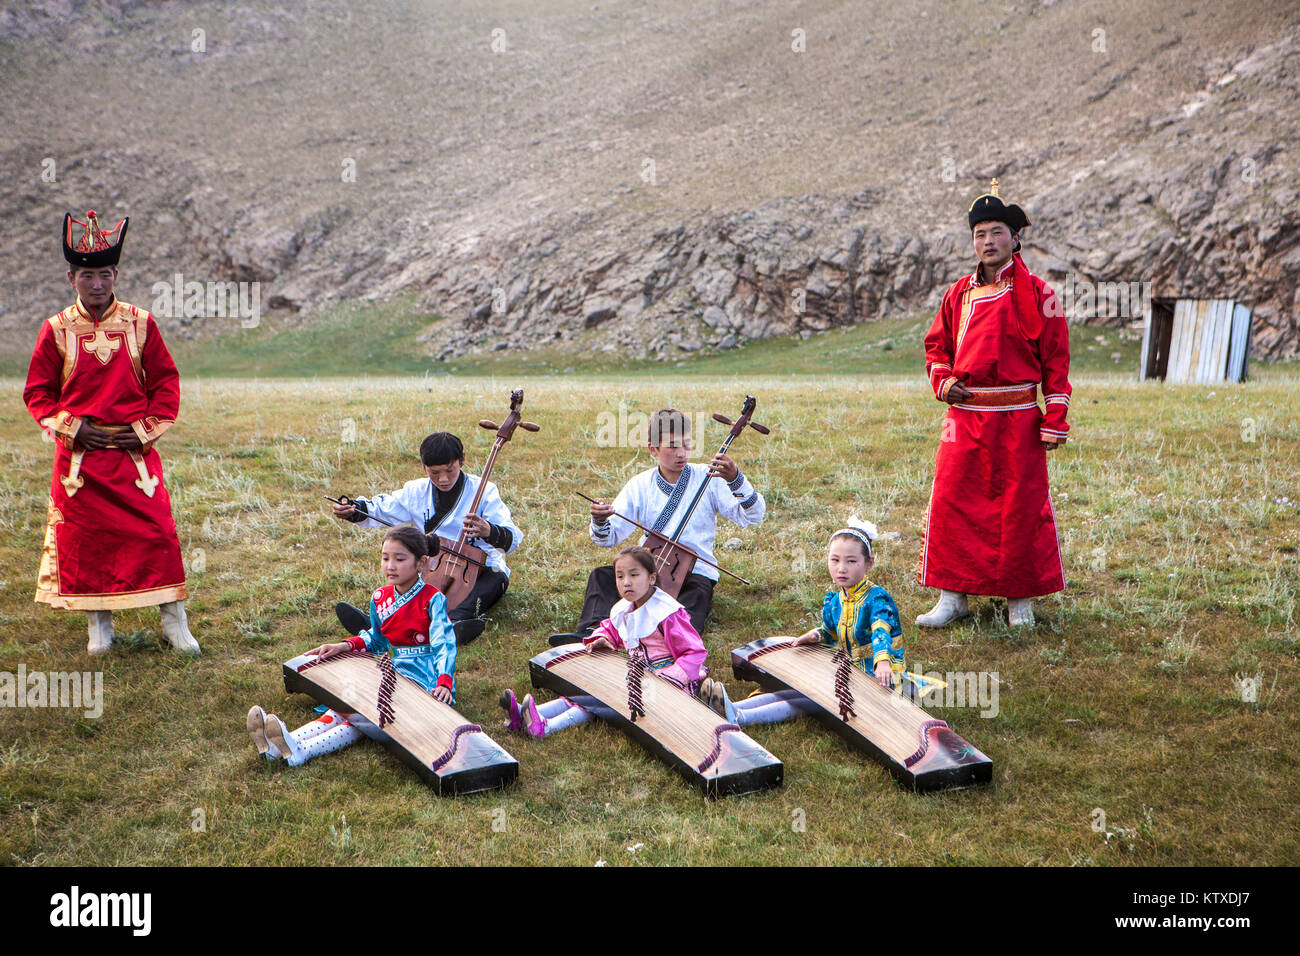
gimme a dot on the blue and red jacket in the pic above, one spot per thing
(416, 627)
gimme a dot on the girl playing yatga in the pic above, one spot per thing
(856, 616)
(406, 615)
(644, 620)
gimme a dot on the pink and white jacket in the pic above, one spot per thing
(662, 627)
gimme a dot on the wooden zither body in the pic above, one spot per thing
(921, 752)
(711, 753)
(449, 753)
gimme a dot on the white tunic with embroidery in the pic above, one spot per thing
(653, 502)
(414, 503)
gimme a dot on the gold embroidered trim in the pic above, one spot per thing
(968, 299)
(146, 482)
(150, 428)
(61, 323)
(112, 602)
(102, 345)
(73, 480)
(79, 332)
(135, 345)
(47, 578)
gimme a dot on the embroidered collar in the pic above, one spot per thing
(400, 600)
(675, 495)
(84, 311)
(634, 626)
(662, 483)
(976, 280)
(856, 593)
(852, 601)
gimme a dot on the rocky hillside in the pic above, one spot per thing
(660, 177)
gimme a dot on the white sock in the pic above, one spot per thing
(318, 726)
(336, 738)
(305, 732)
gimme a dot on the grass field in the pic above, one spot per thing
(384, 339)
(1179, 531)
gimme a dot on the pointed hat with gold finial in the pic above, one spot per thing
(991, 208)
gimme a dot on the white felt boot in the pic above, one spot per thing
(176, 627)
(101, 632)
(1019, 612)
(951, 607)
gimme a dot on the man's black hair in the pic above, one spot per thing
(441, 448)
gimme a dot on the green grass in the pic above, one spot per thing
(385, 339)
(1180, 553)
(359, 338)
(348, 339)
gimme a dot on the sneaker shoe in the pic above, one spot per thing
(510, 704)
(707, 696)
(559, 640)
(702, 688)
(721, 703)
(468, 629)
(533, 721)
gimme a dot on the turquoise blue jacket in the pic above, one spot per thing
(864, 620)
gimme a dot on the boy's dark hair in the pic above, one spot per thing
(414, 540)
(666, 423)
(641, 556)
(441, 448)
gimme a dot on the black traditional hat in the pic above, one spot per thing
(989, 208)
(95, 249)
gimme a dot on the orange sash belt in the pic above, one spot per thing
(1001, 397)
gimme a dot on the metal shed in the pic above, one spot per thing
(1196, 341)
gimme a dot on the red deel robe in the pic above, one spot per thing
(990, 528)
(110, 541)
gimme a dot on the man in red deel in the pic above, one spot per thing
(103, 385)
(999, 335)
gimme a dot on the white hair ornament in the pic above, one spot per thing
(864, 531)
